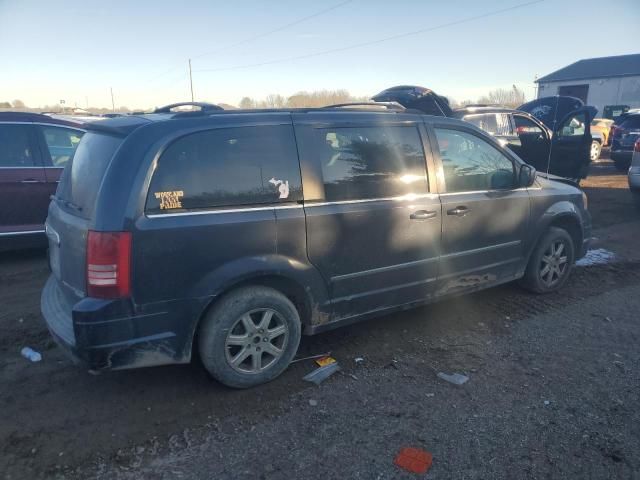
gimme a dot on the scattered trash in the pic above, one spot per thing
(358, 360)
(619, 364)
(20, 320)
(456, 378)
(319, 375)
(414, 460)
(311, 357)
(322, 361)
(431, 394)
(352, 376)
(30, 354)
(598, 256)
(507, 317)
(393, 363)
(313, 403)
(547, 402)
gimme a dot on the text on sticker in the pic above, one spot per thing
(170, 199)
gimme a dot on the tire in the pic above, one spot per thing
(234, 341)
(534, 278)
(596, 149)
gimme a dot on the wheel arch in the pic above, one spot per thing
(562, 215)
(300, 283)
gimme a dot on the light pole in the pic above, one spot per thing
(191, 80)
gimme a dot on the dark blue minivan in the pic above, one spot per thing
(231, 233)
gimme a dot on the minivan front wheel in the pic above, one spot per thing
(551, 262)
(249, 337)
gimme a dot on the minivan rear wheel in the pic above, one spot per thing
(551, 262)
(249, 337)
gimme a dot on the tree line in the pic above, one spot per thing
(511, 98)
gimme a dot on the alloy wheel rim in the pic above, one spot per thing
(553, 264)
(256, 341)
(594, 151)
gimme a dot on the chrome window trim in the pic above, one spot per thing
(79, 129)
(229, 210)
(21, 168)
(521, 189)
(25, 232)
(401, 198)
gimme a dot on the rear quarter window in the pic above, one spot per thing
(227, 167)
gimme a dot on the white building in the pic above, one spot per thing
(601, 82)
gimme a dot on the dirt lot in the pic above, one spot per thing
(553, 390)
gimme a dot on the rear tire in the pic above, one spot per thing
(551, 262)
(249, 337)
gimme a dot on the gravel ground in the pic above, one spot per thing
(576, 349)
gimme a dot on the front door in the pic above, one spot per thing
(484, 213)
(24, 197)
(373, 226)
(571, 146)
(533, 142)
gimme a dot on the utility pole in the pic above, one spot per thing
(191, 80)
(113, 104)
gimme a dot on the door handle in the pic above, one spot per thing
(30, 180)
(422, 215)
(459, 211)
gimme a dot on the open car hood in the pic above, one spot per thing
(551, 110)
(418, 98)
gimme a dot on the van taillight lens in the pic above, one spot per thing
(108, 264)
(636, 147)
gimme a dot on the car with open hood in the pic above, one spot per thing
(552, 134)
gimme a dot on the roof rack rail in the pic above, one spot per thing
(204, 107)
(393, 106)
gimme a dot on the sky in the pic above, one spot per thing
(77, 50)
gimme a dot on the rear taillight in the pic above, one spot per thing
(108, 264)
(636, 147)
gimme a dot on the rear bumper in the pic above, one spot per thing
(108, 335)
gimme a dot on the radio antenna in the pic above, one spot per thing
(553, 133)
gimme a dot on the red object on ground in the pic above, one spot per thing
(414, 460)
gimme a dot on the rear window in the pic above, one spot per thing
(227, 167)
(632, 121)
(83, 174)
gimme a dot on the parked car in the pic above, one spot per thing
(34, 149)
(634, 172)
(625, 134)
(530, 131)
(602, 126)
(229, 234)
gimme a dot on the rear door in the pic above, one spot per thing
(72, 211)
(24, 196)
(373, 223)
(485, 214)
(571, 145)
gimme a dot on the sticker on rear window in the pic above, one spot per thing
(169, 200)
(283, 187)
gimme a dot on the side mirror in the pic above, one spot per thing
(527, 175)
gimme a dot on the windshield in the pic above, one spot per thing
(81, 179)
